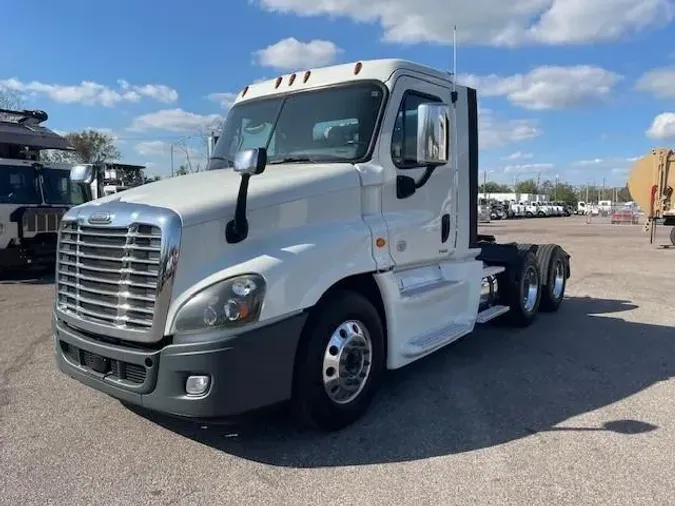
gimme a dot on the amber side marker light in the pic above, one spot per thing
(380, 242)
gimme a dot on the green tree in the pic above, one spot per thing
(624, 194)
(492, 187)
(526, 186)
(183, 170)
(9, 99)
(90, 146)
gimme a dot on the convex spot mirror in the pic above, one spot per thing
(433, 134)
(82, 174)
(250, 161)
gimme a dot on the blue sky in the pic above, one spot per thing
(575, 88)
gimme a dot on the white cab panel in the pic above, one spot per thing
(429, 307)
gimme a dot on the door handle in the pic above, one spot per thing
(445, 227)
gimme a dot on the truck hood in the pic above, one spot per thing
(212, 195)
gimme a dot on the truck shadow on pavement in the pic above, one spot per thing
(495, 386)
(35, 276)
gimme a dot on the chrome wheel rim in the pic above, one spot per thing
(558, 279)
(347, 362)
(530, 288)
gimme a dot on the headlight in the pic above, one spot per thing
(227, 304)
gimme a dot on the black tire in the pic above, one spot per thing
(540, 214)
(529, 214)
(511, 288)
(553, 265)
(672, 236)
(311, 404)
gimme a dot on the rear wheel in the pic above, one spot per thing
(520, 289)
(340, 362)
(554, 268)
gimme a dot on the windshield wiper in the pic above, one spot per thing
(292, 159)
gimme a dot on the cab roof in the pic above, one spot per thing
(379, 70)
(23, 128)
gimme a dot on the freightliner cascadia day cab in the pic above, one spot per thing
(333, 236)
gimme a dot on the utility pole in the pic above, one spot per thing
(555, 198)
(171, 160)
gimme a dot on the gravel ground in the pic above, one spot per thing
(575, 410)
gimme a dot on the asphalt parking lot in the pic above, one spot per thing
(577, 409)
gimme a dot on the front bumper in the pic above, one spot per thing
(249, 371)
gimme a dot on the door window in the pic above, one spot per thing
(404, 136)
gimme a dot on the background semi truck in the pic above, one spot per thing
(333, 236)
(34, 194)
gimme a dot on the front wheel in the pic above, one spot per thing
(340, 362)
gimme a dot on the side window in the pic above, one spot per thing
(404, 136)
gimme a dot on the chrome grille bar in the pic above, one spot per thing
(110, 275)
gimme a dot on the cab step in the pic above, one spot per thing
(491, 313)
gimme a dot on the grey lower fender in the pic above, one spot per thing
(249, 371)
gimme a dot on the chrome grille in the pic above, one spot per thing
(109, 275)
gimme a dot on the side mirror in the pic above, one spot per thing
(250, 161)
(82, 174)
(433, 125)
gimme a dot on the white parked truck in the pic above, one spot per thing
(333, 236)
(34, 194)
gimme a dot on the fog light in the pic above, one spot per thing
(197, 385)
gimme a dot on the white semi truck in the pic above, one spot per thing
(333, 236)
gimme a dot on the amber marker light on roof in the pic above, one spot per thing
(357, 68)
(291, 79)
(278, 82)
(307, 74)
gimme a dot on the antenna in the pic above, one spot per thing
(453, 95)
(454, 58)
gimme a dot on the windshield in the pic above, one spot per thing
(58, 188)
(334, 124)
(19, 185)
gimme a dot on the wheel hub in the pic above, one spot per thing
(347, 362)
(530, 289)
(558, 279)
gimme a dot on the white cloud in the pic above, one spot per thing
(175, 120)
(663, 127)
(604, 163)
(493, 22)
(519, 155)
(495, 132)
(528, 168)
(660, 82)
(548, 87)
(153, 148)
(91, 93)
(292, 54)
(226, 100)
(159, 92)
